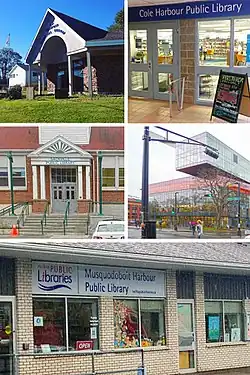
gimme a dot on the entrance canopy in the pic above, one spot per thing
(60, 152)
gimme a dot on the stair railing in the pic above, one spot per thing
(8, 209)
(66, 217)
(44, 218)
(25, 212)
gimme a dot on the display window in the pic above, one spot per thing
(241, 40)
(139, 323)
(65, 324)
(224, 321)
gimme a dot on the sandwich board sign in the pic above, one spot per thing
(232, 97)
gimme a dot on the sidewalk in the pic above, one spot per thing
(240, 371)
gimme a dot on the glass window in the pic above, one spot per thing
(214, 43)
(108, 177)
(4, 177)
(139, 81)
(241, 37)
(224, 321)
(126, 324)
(82, 317)
(165, 46)
(207, 86)
(138, 46)
(50, 324)
(152, 323)
(121, 177)
(19, 176)
(164, 82)
(50, 333)
(128, 332)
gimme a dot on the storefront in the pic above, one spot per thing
(58, 169)
(194, 40)
(91, 309)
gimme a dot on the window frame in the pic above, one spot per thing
(138, 300)
(117, 168)
(66, 298)
(222, 301)
(213, 69)
(15, 188)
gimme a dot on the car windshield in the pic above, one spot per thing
(111, 227)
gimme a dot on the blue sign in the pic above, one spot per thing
(213, 328)
(202, 9)
(248, 50)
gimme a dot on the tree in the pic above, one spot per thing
(217, 183)
(119, 22)
(8, 59)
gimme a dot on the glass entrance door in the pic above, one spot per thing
(154, 59)
(6, 338)
(64, 189)
(186, 332)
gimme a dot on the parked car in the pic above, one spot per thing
(109, 230)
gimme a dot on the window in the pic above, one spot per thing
(108, 177)
(34, 74)
(138, 46)
(235, 158)
(19, 176)
(4, 177)
(241, 37)
(50, 324)
(121, 177)
(224, 321)
(132, 330)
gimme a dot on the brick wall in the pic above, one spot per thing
(113, 196)
(187, 48)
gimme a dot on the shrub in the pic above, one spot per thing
(15, 92)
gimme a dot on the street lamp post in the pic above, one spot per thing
(175, 210)
(145, 177)
(100, 157)
(10, 157)
(239, 229)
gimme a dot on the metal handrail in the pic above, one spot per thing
(21, 217)
(66, 216)
(8, 209)
(44, 218)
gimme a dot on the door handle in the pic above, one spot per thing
(150, 65)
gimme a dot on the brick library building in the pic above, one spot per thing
(57, 165)
(77, 308)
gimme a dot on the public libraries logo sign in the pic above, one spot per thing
(54, 277)
(203, 9)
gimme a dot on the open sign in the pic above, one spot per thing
(84, 345)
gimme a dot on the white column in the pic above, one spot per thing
(42, 182)
(80, 192)
(34, 181)
(42, 81)
(88, 192)
(70, 76)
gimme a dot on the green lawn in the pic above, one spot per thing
(49, 109)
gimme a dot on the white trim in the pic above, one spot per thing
(34, 181)
(42, 182)
(88, 189)
(70, 76)
(77, 51)
(80, 190)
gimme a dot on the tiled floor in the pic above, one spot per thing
(157, 111)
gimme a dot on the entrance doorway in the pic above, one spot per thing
(64, 189)
(186, 331)
(154, 59)
(62, 77)
(7, 363)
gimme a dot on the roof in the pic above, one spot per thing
(224, 257)
(23, 66)
(102, 138)
(85, 30)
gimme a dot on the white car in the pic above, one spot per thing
(109, 230)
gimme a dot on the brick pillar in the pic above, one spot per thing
(84, 206)
(187, 47)
(106, 323)
(172, 322)
(200, 324)
(24, 308)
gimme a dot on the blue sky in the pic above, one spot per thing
(21, 18)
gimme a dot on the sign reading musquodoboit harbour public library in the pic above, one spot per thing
(70, 279)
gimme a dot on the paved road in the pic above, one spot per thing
(135, 233)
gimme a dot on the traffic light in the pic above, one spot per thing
(214, 154)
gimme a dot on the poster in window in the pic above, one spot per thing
(214, 328)
(235, 334)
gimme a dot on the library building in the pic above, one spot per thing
(115, 308)
(195, 40)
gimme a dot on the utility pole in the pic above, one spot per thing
(145, 176)
(239, 228)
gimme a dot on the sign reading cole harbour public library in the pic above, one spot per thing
(70, 279)
(202, 9)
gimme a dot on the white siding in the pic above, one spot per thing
(20, 77)
(79, 135)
